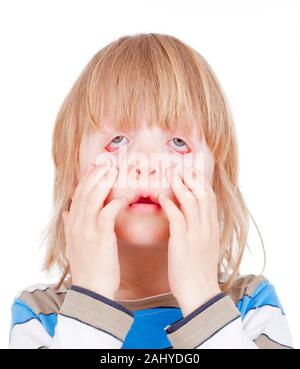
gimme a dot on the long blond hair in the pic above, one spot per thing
(176, 85)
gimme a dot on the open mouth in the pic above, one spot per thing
(144, 200)
(145, 204)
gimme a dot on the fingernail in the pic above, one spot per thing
(89, 167)
(114, 169)
(102, 160)
(107, 162)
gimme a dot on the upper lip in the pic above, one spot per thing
(145, 194)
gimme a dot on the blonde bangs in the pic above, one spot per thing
(177, 88)
(145, 71)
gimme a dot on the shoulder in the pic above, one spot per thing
(246, 285)
(40, 298)
(250, 292)
(37, 305)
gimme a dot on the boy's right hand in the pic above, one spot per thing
(91, 242)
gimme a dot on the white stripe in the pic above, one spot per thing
(29, 335)
(229, 337)
(270, 321)
(267, 320)
(70, 333)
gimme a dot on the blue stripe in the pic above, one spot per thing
(22, 313)
(147, 330)
(49, 322)
(264, 295)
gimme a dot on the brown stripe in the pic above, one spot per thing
(264, 342)
(204, 325)
(245, 285)
(43, 301)
(164, 300)
(49, 301)
(97, 314)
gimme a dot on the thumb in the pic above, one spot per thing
(108, 214)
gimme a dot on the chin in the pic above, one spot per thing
(141, 232)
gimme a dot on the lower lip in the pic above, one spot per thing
(141, 208)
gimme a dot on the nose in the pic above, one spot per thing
(146, 155)
(145, 170)
(139, 171)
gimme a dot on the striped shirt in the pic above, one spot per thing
(250, 316)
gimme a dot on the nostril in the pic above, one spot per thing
(138, 171)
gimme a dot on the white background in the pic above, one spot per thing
(253, 46)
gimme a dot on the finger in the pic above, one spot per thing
(210, 199)
(96, 197)
(90, 178)
(203, 192)
(185, 197)
(106, 217)
(177, 222)
(193, 183)
(82, 179)
(77, 208)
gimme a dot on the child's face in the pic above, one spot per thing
(141, 158)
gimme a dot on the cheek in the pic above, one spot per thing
(204, 161)
(92, 150)
(209, 170)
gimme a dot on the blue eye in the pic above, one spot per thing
(115, 143)
(180, 145)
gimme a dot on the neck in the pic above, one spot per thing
(143, 270)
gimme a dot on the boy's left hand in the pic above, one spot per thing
(193, 248)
